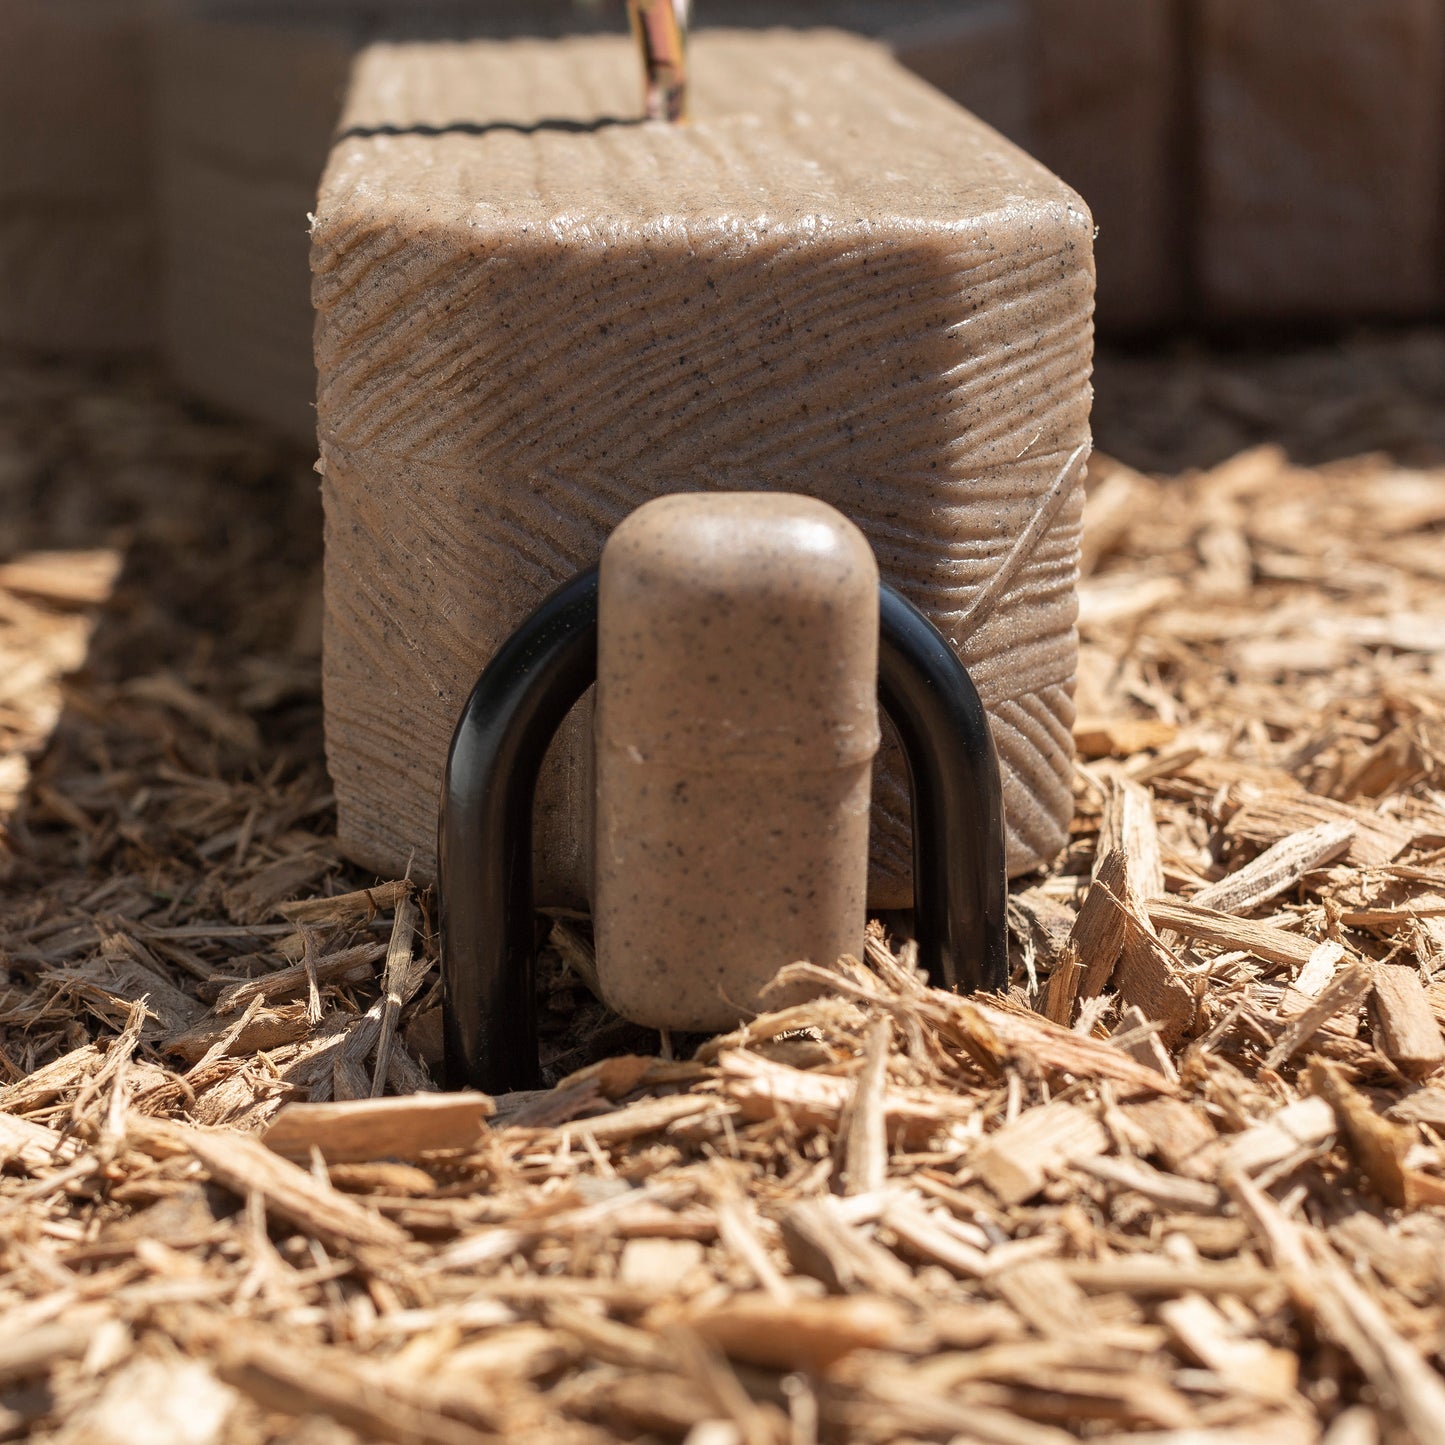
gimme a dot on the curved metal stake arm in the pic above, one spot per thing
(485, 845)
(960, 886)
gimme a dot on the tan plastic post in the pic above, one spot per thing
(737, 721)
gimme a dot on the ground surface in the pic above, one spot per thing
(1184, 1184)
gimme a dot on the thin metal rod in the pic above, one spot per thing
(660, 29)
(488, 940)
(960, 886)
(484, 847)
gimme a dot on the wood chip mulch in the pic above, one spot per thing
(1185, 1183)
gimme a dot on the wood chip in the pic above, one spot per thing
(806, 1334)
(1121, 737)
(1277, 869)
(365, 1129)
(67, 577)
(1098, 936)
(1127, 823)
(1150, 978)
(247, 1167)
(1209, 925)
(1342, 996)
(1250, 1364)
(1378, 1145)
(1297, 1129)
(25, 1356)
(1136, 1035)
(33, 1146)
(1313, 978)
(348, 965)
(1409, 1033)
(1017, 1161)
(865, 1162)
(326, 1384)
(364, 903)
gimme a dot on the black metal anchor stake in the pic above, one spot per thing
(488, 938)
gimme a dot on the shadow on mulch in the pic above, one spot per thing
(177, 775)
(1191, 405)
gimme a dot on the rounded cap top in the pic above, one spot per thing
(739, 629)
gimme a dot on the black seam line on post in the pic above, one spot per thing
(484, 869)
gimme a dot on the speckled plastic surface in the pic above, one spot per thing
(737, 721)
(534, 314)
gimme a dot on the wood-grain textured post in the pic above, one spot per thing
(535, 313)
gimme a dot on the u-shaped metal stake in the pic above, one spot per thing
(488, 928)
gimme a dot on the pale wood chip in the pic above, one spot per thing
(1017, 1161)
(803, 1334)
(366, 1129)
(1270, 820)
(32, 1352)
(1313, 978)
(647, 1116)
(764, 1089)
(159, 1402)
(1180, 1135)
(1121, 737)
(401, 979)
(1098, 935)
(1169, 1191)
(1127, 823)
(658, 1264)
(364, 903)
(1209, 925)
(33, 1146)
(1111, 508)
(1156, 1275)
(347, 965)
(1408, 1033)
(1299, 1127)
(865, 1159)
(931, 1236)
(822, 1244)
(1342, 996)
(82, 578)
(330, 1385)
(1278, 868)
(1025, 1040)
(1042, 1293)
(1249, 1364)
(246, 1166)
